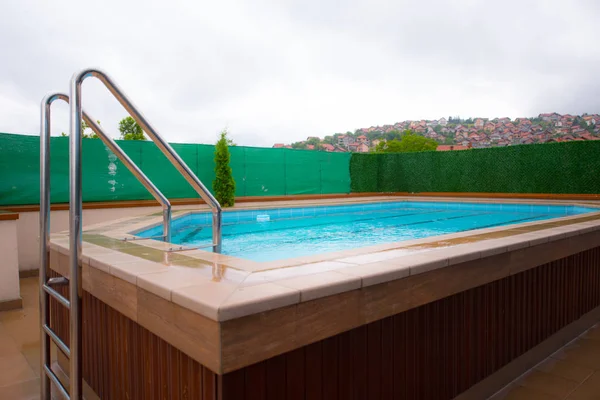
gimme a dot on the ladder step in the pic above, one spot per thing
(58, 281)
(143, 238)
(181, 248)
(61, 345)
(59, 297)
(56, 382)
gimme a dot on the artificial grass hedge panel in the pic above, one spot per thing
(364, 173)
(571, 167)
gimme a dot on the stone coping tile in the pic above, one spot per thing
(224, 287)
(163, 283)
(255, 299)
(322, 284)
(205, 298)
(129, 271)
(376, 273)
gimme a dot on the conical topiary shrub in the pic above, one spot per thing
(223, 185)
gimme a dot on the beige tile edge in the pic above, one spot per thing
(572, 236)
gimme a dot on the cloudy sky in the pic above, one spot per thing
(279, 71)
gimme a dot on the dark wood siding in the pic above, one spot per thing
(123, 360)
(435, 351)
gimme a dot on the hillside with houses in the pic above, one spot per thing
(455, 133)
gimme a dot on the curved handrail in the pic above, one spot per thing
(167, 150)
(44, 217)
(127, 161)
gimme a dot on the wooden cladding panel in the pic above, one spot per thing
(435, 351)
(123, 360)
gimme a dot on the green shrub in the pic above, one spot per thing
(223, 185)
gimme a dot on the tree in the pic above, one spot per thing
(314, 141)
(130, 130)
(393, 135)
(299, 145)
(223, 185)
(410, 142)
(84, 127)
(329, 140)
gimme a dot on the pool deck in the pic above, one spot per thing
(226, 301)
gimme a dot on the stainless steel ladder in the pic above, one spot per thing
(73, 351)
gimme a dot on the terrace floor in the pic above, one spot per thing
(20, 348)
(572, 373)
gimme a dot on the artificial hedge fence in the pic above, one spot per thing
(569, 167)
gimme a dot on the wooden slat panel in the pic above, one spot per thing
(122, 360)
(435, 351)
(345, 377)
(256, 382)
(387, 358)
(374, 360)
(276, 378)
(358, 340)
(331, 372)
(295, 374)
(313, 371)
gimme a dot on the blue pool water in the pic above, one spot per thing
(274, 234)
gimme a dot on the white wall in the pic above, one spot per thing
(9, 261)
(28, 228)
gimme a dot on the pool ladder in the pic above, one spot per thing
(48, 286)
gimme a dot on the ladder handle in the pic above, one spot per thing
(56, 382)
(59, 297)
(129, 164)
(165, 148)
(61, 345)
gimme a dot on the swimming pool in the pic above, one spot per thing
(280, 233)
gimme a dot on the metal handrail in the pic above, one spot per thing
(166, 149)
(129, 164)
(75, 214)
(73, 304)
(75, 126)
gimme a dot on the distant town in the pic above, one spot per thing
(455, 133)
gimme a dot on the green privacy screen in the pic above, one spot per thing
(257, 171)
(571, 168)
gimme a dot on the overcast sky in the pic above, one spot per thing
(279, 71)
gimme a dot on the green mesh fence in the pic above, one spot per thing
(571, 168)
(257, 171)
